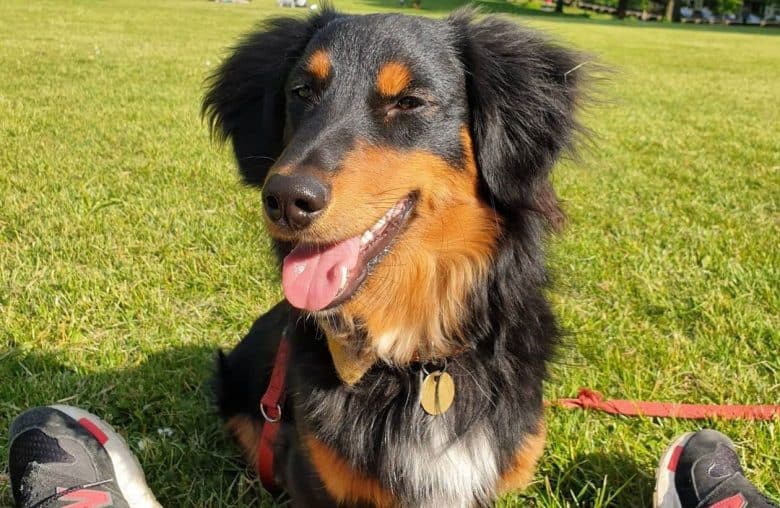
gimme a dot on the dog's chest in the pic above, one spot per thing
(436, 469)
(419, 459)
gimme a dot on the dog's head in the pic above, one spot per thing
(395, 153)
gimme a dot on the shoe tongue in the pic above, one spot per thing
(724, 462)
(313, 275)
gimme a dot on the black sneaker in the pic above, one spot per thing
(701, 470)
(63, 456)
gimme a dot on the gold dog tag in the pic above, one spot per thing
(437, 392)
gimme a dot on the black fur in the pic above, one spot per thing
(246, 101)
(522, 92)
(518, 93)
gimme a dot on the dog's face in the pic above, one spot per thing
(394, 152)
(376, 187)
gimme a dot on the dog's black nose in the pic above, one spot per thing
(294, 201)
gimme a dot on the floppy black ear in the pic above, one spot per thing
(245, 99)
(523, 91)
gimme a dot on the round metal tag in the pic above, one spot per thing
(437, 392)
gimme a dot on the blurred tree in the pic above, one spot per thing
(669, 11)
(724, 6)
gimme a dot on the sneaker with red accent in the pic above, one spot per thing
(65, 457)
(702, 470)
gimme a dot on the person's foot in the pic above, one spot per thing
(65, 456)
(702, 470)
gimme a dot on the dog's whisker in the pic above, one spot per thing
(262, 157)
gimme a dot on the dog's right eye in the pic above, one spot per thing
(408, 103)
(303, 92)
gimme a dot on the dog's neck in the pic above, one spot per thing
(352, 363)
(350, 366)
(347, 346)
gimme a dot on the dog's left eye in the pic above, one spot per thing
(303, 92)
(409, 103)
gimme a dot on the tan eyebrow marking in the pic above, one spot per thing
(319, 64)
(392, 79)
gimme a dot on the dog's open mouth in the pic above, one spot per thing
(315, 277)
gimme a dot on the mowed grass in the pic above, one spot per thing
(129, 252)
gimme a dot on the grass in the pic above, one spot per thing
(129, 252)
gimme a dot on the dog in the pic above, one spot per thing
(405, 172)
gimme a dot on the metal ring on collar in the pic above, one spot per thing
(442, 369)
(268, 418)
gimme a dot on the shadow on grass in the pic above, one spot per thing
(595, 480)
(485, 6)
(161, 406)
(441, 7)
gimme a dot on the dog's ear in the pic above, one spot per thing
(245, 98)
(523, 91)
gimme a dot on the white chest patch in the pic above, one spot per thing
(387, 343)
(444, 472)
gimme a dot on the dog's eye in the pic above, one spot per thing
(303, 92)
(408, 103)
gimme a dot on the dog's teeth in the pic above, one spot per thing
(344, 278)
(367, 237)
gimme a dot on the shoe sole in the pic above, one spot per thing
(665, 494)
(130, 477)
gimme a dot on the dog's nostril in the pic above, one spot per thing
(305, 206)
(273, 208)
(272, 203)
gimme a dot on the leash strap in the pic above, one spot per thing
(589, 399)
(271, 409)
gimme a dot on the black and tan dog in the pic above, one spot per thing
(404, 165)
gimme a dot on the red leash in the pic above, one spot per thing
(271, 409)
(588, 399)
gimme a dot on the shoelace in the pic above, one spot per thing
(69, 490)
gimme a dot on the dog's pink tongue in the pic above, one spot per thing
(313, 275)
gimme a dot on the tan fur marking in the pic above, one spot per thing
(520, 473)
(350, 365)
(392, 79)
(412, 304)
(247, 433)
(319, 64)
(342, 481)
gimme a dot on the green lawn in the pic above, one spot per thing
(129, 252)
